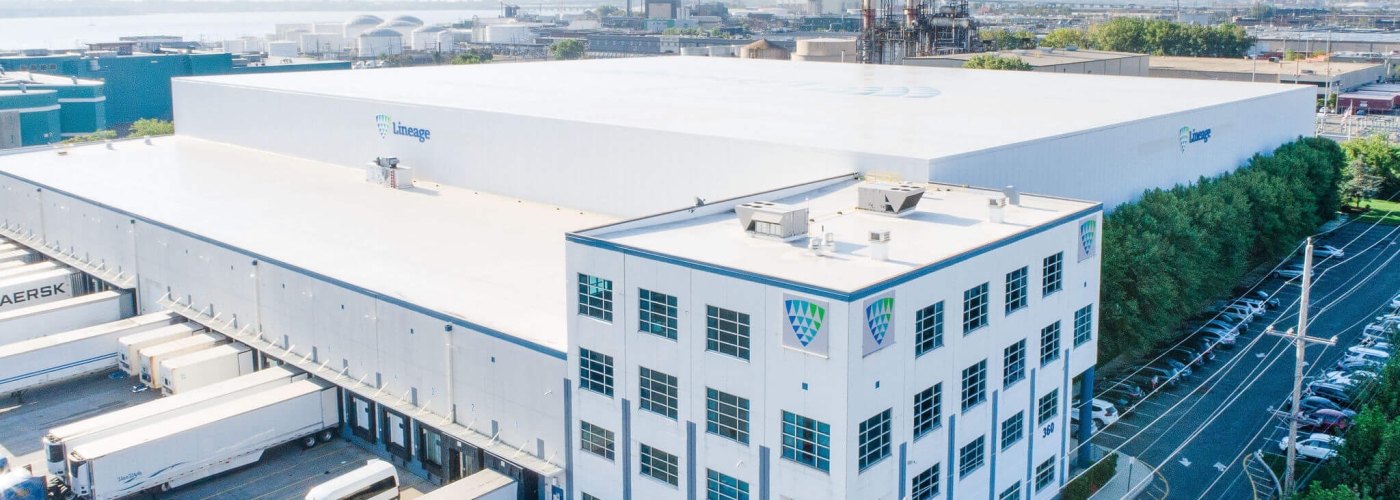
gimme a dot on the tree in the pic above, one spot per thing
(1342, 492)
(151, 126)
(1006, 40)
(473, 56)
(98, 136)
(1381, 155)
(1167, 38)
(607, 10)
(993, 61)
(1262, 12)
(1360, 181)
(1066, 37)
(568, 49)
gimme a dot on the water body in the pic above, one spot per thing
(73, 32)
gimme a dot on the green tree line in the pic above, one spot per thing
(1156, 37)
(1367, 465)
(1169, 254)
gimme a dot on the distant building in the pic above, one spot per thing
(29, 118)
(662, 9)
(603, 45)
(763, 49)
(1312, 41)
(1049, 60)
(80, 106)
(826, 50)
(1344, 76)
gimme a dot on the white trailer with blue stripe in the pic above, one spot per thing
(51, 358)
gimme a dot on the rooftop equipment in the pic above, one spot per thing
(385, 171)
(770, 220)
(880, 245)
(890, 199)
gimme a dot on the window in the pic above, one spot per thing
(727, 332)
(1050, 273)
(1045, 474)
(1083, 325)
(1013, 429)
(722, 487)
(1012, 493)
(928, 410)
(658, 393)
(727, 415)
(974, 385)
(928, 325)
(874, 439)
(595, 372)
(1050, 343)
(1014, 368)
(595, 297)
(660, 465)
(926, 484)
(586, 496)
(806, 441)
(1015, 290)
(971, 456)
(596, 440)
(1049, 406)
(974, 308)
(658, 313)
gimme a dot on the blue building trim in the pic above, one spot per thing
(1086, 418)
(490, 332)
(903, 468)
(824, 292)
(690, 460)
(952, 453)
(992, 481)
(625, 447)
(1030, 441)
(569, 439)
(1066, 397)
(765, 473)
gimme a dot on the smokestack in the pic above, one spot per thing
(911, 13)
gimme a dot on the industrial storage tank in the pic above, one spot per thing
(282, 50)
(405, 28)
(426, 38)
(407, 19)
(359, 24)
(379, 42)
(321, 43)
(448, 40)
(826, 50)
(508, 33)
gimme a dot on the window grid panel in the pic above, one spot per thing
(727, 415)
(724, 487)
(1051, 274)
(1014, 363)
(658, 313)
(596, 440)
(974, 308)
(659, 392)
(1045, 474)
(1015, 290)
(928, 410)
(806, 441)
(1050, 343)
(874, 439)
(1084, 325)
(1013, 429)
(1011, 493)
(586, 496)
(928, 324)
(1049, 407)
(660, 465)
(595, 372)
(926, 484)
(595, 297)
(727, 332)
(971, 456)
(974, 385)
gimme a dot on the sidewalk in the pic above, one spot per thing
(1130, 480)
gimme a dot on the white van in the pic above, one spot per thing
(377, 480)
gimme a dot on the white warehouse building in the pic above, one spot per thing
(628, 243)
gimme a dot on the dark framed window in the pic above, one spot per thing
(926, 484)
(660, 465)
(806, 441)
(972, 456)
(596, 440)
(974, 308)
(874, 439)
(1050, 343)
(727, 332)
(657, 312)
(928, 410)
(595, 297)
(928, 328)
(595, 372)
(1015, 290)
(726, 415)
(1052, 269)
(1045, 474)
(974, 385)
(1084, 325)
(1012, 492)
(1013, 363)
(1049, 407)
(1013, 429)
(658, 392)
(723, 487)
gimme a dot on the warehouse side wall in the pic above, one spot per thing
(1115, 165)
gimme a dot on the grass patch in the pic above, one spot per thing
(1378, 213)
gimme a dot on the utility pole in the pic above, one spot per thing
(1300, 341)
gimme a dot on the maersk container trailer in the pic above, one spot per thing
(64, 315)
(24, 256)
(176, 451)
(50, 358)
(199, 369)
(150, 357)
(37, 288)
(21, 269)
(59, 440)
(130, 346)
(12, 264)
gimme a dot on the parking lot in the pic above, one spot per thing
(1198, 433)
(285, 472)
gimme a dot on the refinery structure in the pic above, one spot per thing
(891, 32)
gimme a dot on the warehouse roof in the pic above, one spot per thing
(904, 111)
(1042, 57)
(470, 255)
(1233, 65)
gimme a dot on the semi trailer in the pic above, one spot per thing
(67, 314)
(21, 269)
(179, 450)
(18, 256)
(130, 346)
(37, 288)
(150, 357)
(195, 370)
(30, 363)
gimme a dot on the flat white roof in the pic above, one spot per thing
(947, 222)
(475, 256)
(905, 111)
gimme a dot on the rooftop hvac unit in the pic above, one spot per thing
(889, 199)
(385, 171)
(776, 221)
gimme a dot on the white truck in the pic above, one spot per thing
(149, 358)
(177, 451)
(59, 440)
(63, 315)
(37, 288)
(50, 358)
(130, 346)
(192, 371)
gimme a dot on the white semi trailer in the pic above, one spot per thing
(129, 347)
(150, 357)
(21, 269)
(17, 256)
(177, 451)
(30, 363)
(37, 288)
(59, 440)
(192, 371)
(67, 314)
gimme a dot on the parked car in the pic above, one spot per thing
(1105, 414)
(1167, 374)
(1269, 301)
(1074, 424)
(1187, 356)
(1234, 328)
(1349, 365)
(1203, 346)
(1183, 369)
(1222, 340)
(1329, 421)
(1395, 301)
(1345, 379)
(1236, 319)
(1315, 403)
(1255, 307)
(1328, 251)
(1147, 381)
(1289, 271)
(1243, 311)
(1123, 396)
(1317, 446)
(1333, 393)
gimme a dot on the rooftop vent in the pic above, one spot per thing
(770, 220)
(889, 199)
(1013, 197)
(996, 209)
(880, 244)
(385, 171)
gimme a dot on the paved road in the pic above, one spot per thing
(1198, 433)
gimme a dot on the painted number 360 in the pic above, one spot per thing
(1047, 430)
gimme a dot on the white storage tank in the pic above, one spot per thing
(282, 50)
(328, 29)
(379, 42)
(359, 24)
(236, 46)
(508, 33)
(826, 50)
(407, 20)
(322, 43)
(426, 38)
(405, 28)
